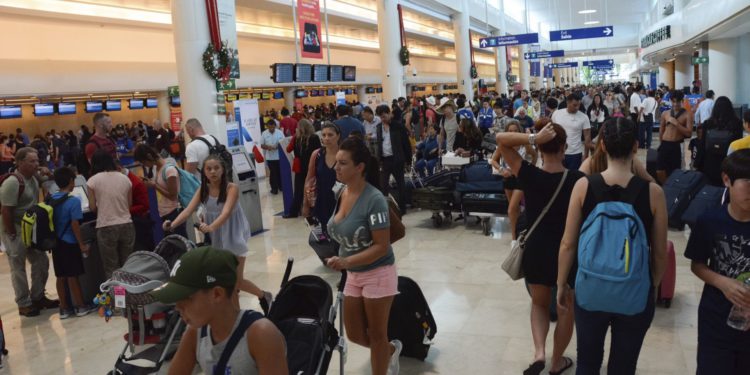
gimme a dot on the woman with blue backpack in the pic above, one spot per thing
(615, 244)
(166, 182)
(223, 219)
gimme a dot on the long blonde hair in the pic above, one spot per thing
(304, 131)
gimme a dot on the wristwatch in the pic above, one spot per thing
(532, 139)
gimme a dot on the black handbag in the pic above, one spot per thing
(322, 244)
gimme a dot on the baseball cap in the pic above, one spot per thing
(202, 268)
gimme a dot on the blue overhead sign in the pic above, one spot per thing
(508, 40)
(585, 33)
(535, 69)
(563, 65)
(543, 54)
(600, 64)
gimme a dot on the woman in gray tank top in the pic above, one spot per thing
(224, 220)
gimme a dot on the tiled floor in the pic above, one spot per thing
(482, 316)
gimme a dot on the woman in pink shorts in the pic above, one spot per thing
(360, 225)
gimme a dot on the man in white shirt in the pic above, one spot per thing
(270, 139)
(197, 151)
(703, 112)
(575, 124)
(646, 125)
(635, 105)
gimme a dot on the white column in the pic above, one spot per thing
(463, 50)
(162, 100)
(362, 94)
(723, 68)
(666, 74)
(389, 37)
(523, 70)
(683, 72)
(501, 67)
(557, 74)
(289, 98)
(197, 89)
(743, 60)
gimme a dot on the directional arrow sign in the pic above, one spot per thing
(543, 54)
(600, 64)
(507, 40)
(563, 65)
(585, 33)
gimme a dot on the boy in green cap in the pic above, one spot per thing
(201, 285)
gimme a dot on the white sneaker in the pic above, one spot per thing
(393, 367)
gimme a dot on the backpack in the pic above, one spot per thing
(613, 252)
(718, 141)
(84, 167)
(221, 151)
(189, 184)
(38, 226)
(21, 183)
(411, 320)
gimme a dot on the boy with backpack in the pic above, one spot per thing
(719, 250)
(67, 255)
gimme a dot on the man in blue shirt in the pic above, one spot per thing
(518, 103)
(23, 136)
(346, 123)
(270, 143)
(125, 148)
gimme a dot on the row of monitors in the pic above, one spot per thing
(288, 73)
(69, 108)
(301, 93)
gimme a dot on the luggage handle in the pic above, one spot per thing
(288, 271)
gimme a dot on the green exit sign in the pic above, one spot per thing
(173, 90)
(700, 60)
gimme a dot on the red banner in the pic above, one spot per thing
(308, 17)
(176, 118)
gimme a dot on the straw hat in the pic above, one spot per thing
(445, 101)
(431, 101)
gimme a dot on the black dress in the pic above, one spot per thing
(303, 152)
(325, 178)
(540, 255)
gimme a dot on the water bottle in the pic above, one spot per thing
(739, 318)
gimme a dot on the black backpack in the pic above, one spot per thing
(411, 320)
(221, 151)
(718, 141)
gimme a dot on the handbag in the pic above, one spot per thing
(512, 264)
(297, 165)
(397, 229)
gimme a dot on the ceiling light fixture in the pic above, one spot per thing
(587, 11)
(591, 22)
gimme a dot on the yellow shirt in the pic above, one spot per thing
(739, 144)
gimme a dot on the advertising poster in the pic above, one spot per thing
(308, 17)
(247, 116)
(340, 98)
(228, 30)
(175, 118)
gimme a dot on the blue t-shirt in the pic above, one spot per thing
(65, 213)
(124, 146)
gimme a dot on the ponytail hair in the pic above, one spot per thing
(361, 154)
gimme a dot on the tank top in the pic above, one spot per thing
(235, 232)
(207, 353)
(325, 178)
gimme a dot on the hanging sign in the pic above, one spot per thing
(585, 33)
(506, 40)
(228, 32)
(543, 54)
(600, 64)
(308, 18)
(563, 65)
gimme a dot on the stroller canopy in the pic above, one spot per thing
(304, 296)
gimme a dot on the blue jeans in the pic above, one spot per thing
(422, 164)
(645, 134)
(573, 162)
(628, 333)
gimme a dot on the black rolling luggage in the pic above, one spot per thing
(411, 320)
(446, 179)
(488, 203)
(708, 197)
(93, 276)
(679, 190)
(433, 198)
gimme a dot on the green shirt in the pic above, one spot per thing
(354, 232)
(9, 196)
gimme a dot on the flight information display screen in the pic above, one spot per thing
(336, 73)
(320, 73)
(302, 73)
(283, 73)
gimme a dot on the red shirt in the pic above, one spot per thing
(288, 126)
(140, 205)
(96, 142)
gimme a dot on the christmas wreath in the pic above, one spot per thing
(474, 72)
(218, 63)
(403, 55)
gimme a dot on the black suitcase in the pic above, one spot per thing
(433, 198)
(679, 190)
(411, 320)
(446, 178)
(93, 276)
(488, 203)
(708, 197)
(651, 156)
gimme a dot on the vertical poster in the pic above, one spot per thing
(308, 17)
(340, 98)
(247, 116)
(175, 118)
(228, 30)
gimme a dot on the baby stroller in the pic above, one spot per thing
(305, 314)
(149, 322)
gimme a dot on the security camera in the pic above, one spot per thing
(388, 75)
(414, 72)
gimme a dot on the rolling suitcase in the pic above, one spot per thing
(433, 198)
(411, 320)
(446, 178)
(679, 190)
(488, 203)
(708, 197)
(93, 276)
(651, 156)
(666, 289)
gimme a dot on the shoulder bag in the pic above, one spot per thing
(512, 264)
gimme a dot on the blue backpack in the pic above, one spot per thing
(613, 252)
(189, 184)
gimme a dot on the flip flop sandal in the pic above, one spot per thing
(535, 368)
(568, 364)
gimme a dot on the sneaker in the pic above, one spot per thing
(28, 311)
(266, 302)
(46, 303)
(393, 367)
(85, 310)
(65, 314)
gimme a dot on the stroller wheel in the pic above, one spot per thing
(437, 221)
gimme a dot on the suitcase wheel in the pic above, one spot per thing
(667, 302)
(486, 226)
(437, 220)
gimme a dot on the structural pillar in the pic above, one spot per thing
(743, 60)
(523, 68)
(683, 72)
(723, 67)
(197, 89)
(362, 94)
(289, 98)
(557, 74)
(389, 37)
(463, 47)
(703, 68)
(501, 65)
(666, 74)
(162, 100)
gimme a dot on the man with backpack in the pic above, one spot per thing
(19, 191)
(201, 146)
(100, 140)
